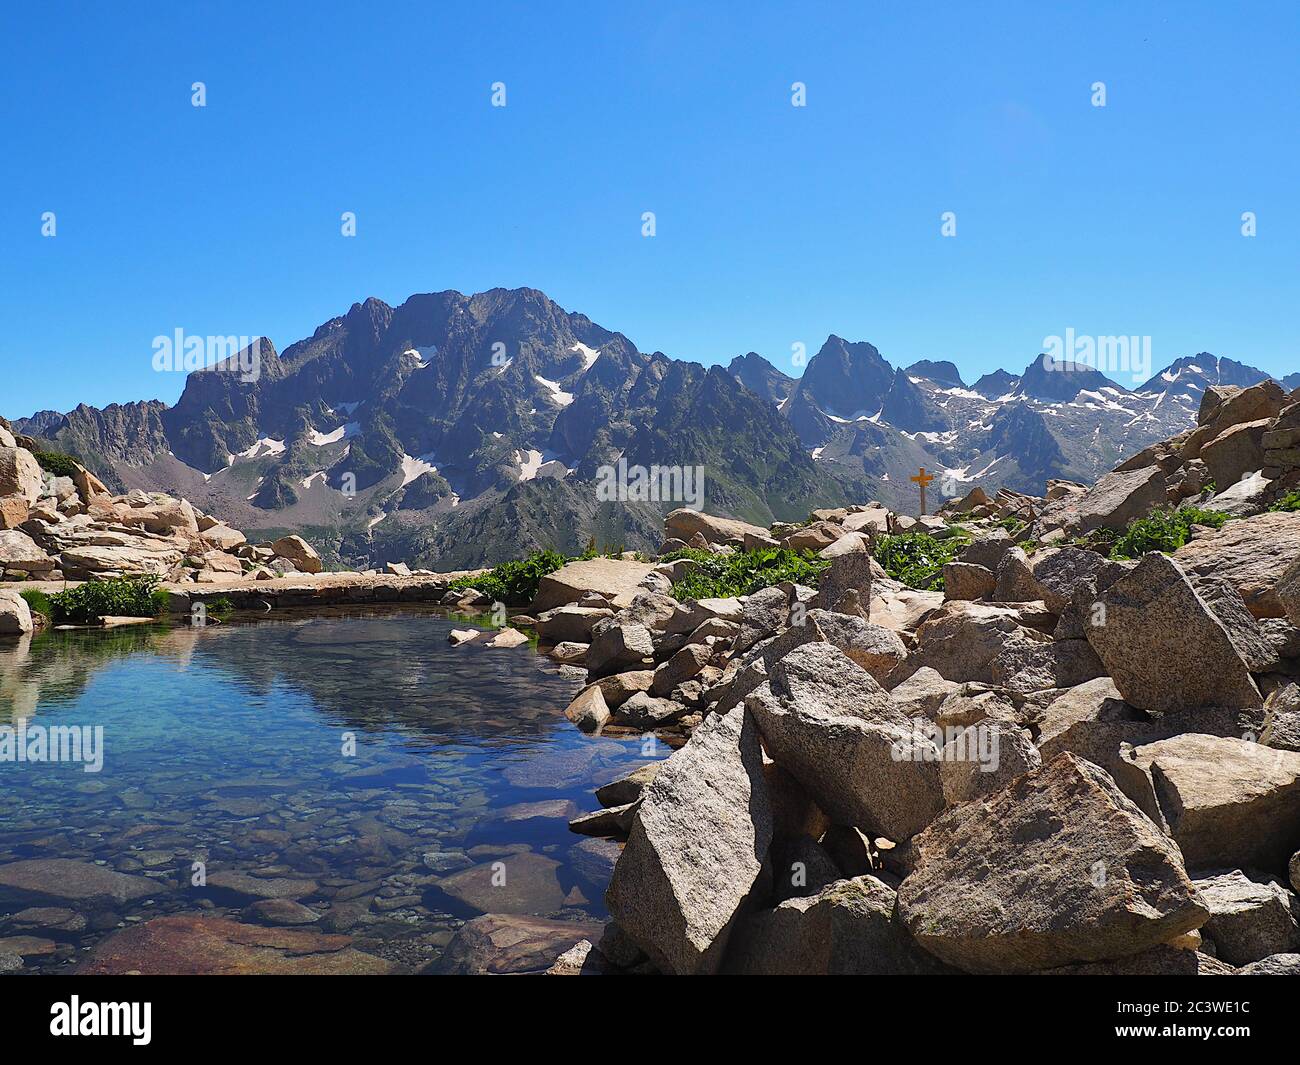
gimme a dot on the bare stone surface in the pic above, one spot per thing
(846, 929)
(187, 944)
(1227, 802)
(836, 731)
(1058, 867)
(696, 848)
(1163, 646)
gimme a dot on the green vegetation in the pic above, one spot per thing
(37, 601)
(514, 583)
(1289, 502)
(744, 572)
(917, 559)
(1164, 530)
(134, 597)
(57, 463)
(221, 607)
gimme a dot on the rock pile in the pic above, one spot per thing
(70, 527)
(1062, 763)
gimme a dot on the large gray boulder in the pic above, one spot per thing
(697, 848)
(617, 647)
(615, 579)
(965, 580)
(961, 640)
(296, 550)
(764, 614)
(1251, 554)
(832, 727)
(875, 648)
(1034, 667)
(984, 757)
(569, 623)
(20, 474)
(1276, 965)
(1163, 645)
(18, 551)
(684, 523)
(1056, 868)
(1227, 802)
(1114, 501)
(681, 667)
(849, 575)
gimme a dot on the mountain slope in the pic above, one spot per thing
(457, 430)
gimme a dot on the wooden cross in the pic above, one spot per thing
(923, 479)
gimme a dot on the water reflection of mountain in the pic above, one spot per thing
(387, 672)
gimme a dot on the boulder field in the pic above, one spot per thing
(1061, 763)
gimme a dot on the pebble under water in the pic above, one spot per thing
(355, 767)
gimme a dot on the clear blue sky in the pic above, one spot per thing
(775, 224)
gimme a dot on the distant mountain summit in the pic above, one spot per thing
(941, 373)
(995, 384)
(459, 429)
(1059, 381)
(1185, 380)
(761, 377)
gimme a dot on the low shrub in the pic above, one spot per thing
(57, 463)
(37, 601)
(1164, 530)
(917, 559)
(133, 597)
(1289, 502)
(515, 582)
(744, 572)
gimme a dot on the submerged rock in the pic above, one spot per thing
(190, 945)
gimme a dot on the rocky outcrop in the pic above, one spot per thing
(1164, 647)
(696, 849)
(1226, 801)
(846, 929)
(71, 528)
(1058, 867)
(615, 580)
(826, 721)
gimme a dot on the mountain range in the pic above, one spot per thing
(455, 430)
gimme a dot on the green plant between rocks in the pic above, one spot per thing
(37, 601)
(1164, 530)
(56, 463)
(1289, 502)
(917, 559)
(515, 582)
(132, 597)
(744, 572)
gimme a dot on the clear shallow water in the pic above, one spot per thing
(230, 746)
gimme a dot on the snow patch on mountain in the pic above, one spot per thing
(589, 356)
(343, 432)
(263, 447)
(559, 397)
(414, 466)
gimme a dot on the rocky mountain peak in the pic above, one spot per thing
(1058, 380)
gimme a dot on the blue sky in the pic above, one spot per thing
(775, 224)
